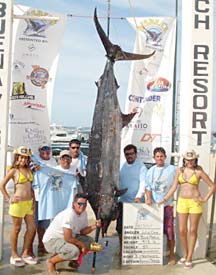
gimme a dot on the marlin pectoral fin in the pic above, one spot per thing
(120, 192)
(121, 55)
(127, 118)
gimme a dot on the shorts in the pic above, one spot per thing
(21, 209)
(40, 223)
(169, 222)
(65, 250)
(189, 206)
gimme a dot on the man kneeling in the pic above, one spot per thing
(66, 236)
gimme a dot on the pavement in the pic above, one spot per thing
(107, 261)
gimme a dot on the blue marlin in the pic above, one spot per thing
(105, 138)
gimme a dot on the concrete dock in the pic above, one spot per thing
(107, 261)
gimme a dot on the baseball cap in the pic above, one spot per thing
(64, 153)
(23, 151)
(190, 154)
(44, 146)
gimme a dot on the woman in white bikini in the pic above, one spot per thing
(21, 205)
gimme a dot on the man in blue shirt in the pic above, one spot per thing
(159, 180)
(132, 177)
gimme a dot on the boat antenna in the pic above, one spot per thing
(108, 17)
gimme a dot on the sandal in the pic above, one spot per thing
(182, 260)
(188, 265)
(30, 260)
(17, 261)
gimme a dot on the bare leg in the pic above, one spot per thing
(17, 223)
(183, 218)
(40, 233)
(29, 234)
(52, 261)
(194, 222)
(171, 245)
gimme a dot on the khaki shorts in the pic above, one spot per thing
(21, 209)
(189, 206)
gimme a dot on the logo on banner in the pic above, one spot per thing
(37, 28)
(159, 85)
(34, 106)
(142, 99)
(19, 92)
(154, 30)
(149, 137)
(39, 76)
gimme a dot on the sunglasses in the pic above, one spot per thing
(82, 204)
(129, 154)
(45, 148)
(75, 147)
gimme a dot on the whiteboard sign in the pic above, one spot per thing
(142, 242)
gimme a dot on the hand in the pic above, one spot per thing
(148, 201)
(161, 202)
(14, 199)
(200, 199)
(84, 250)
(98, 223)
(36, 167)
(137, 200)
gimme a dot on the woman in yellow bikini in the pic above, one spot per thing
(190, 202)
(21, 205)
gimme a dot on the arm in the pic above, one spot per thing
(172, 189)
(68, 237)
(210, 183)
(142, 184)
(148, 197)
(90, 228)
(4, 182)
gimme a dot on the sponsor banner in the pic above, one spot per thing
(36, 46)
(196, 78)
(196, 91)
(150, 91)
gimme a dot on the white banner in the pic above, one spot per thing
(5, 53)
(150, 91)
(36, 49)
(196, 90)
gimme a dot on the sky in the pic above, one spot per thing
(82, 56)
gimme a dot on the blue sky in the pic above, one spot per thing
(82, 56)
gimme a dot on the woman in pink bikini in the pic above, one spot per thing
(21, 205)
(190, 202)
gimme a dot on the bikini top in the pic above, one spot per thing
(23, 179)
(192, 180)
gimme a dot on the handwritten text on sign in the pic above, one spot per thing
(142, 242)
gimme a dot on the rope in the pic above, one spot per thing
(133, 14)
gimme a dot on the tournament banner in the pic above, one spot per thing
(150, 89)
(36, 46)
(195, 94)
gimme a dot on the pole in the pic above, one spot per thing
(175, 91)
(6, 12)
(108, 18)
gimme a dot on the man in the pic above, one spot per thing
(43, 158)
(66, 237)
(79, 161)
(159, 180)
(65, 166)
(132, 177)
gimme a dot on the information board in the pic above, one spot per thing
(142, 242)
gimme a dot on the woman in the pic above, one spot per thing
(21, 205)
(190, 202)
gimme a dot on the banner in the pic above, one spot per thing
(196, 90)
(35, 53)
(150, 91)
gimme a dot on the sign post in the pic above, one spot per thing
(142, 242)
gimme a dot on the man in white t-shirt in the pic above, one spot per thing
(66, 237)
